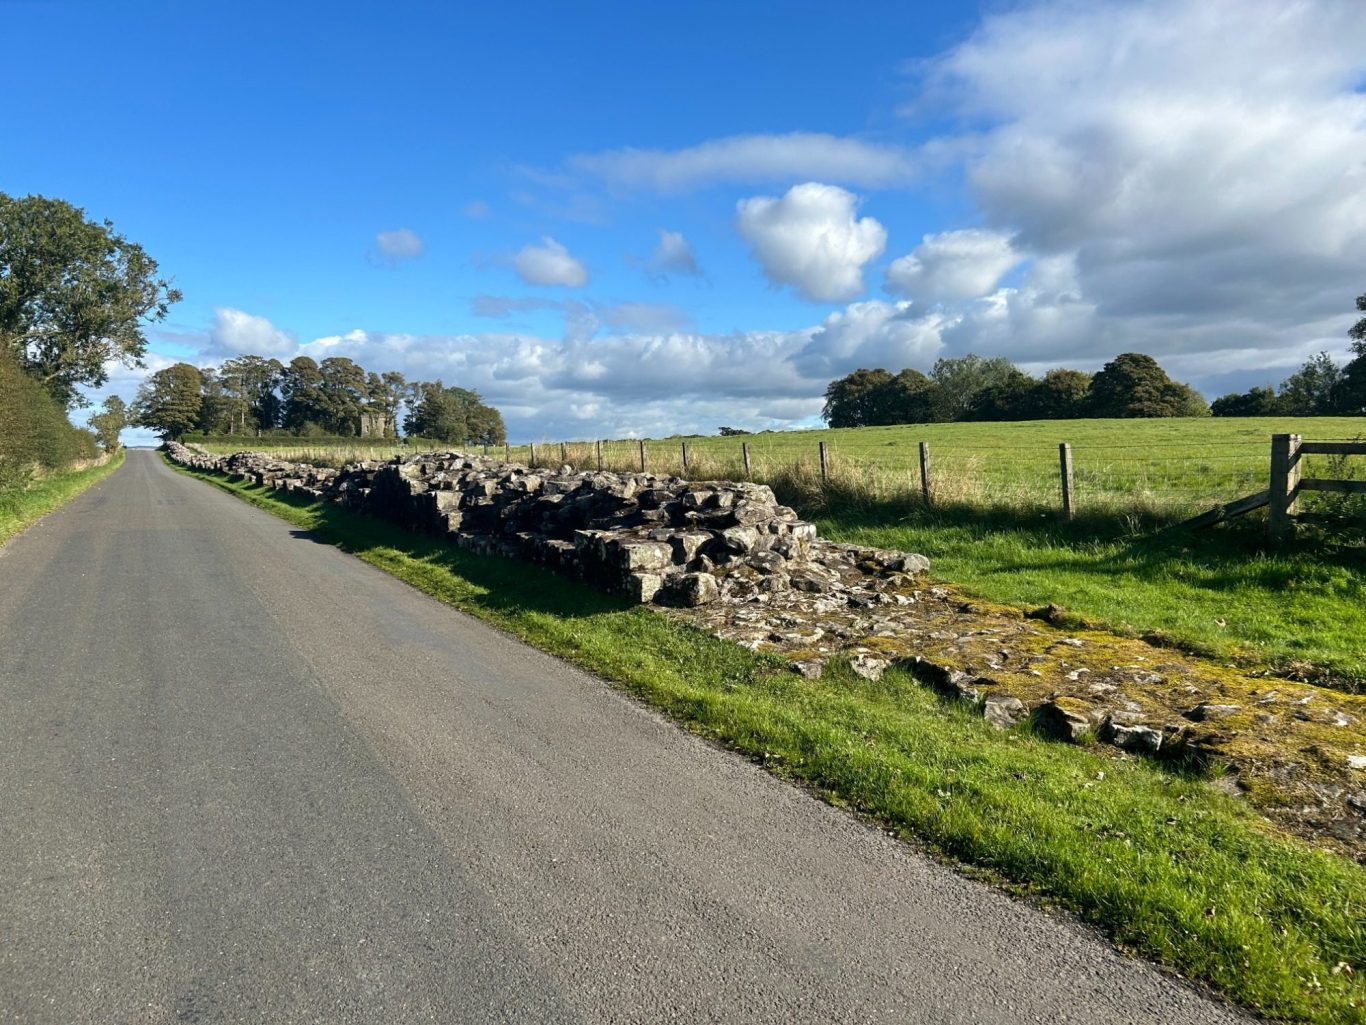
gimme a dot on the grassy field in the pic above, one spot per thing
(994, 528)
(1165, 864)
(22, 506)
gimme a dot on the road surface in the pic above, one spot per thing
(247, 778)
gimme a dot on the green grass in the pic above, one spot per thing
(1165, 865)
(1217, 592)
(20, 507)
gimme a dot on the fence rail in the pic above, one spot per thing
(1288, 452)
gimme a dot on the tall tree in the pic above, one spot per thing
(343, 395)
(1309, 391)
(74, 294)
(961, 380)
(109, 422)
(1059, 395)
(1134, 385)
(456, 416)
(1349, 392)
(301, 388)
(168, 402)
(857, 399)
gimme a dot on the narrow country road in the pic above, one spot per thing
(247, 778)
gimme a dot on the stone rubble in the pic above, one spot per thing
(728, 558)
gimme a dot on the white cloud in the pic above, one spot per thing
(752, 159)
(872, 334)
(477, 210)
(549, 263)
(964, 264)
(400, 244)
(1179, 193)
(812, 239)
(234, 332)
(673, 255)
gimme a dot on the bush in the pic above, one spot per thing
(34, 431)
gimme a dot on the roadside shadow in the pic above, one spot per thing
(489, 581)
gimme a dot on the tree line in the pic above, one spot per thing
(973, 387)
(253, 395)
(1319, 388)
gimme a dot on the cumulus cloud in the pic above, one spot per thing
(751, 159)
(549, 263)
(812, 239)
(673, 255)
(398, 245)
(1182, 196)
(234, 332)
(965, 264)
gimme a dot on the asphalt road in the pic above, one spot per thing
(246, 778)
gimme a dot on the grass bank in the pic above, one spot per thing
(1167, 866)
(19, 507)
(1296, 612)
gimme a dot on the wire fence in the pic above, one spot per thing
(1162, 479)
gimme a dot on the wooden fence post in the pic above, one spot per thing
(685, 459)
(825, 464)
(1065, 464)
(599, 447)
(642, 455)
(564, 454)
(486, 450)
(507, 453)
(1285, 486)
(744, 454)
(925, 471)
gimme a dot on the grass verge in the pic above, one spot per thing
(1296, 612)
(1166, 866)
(21, 507)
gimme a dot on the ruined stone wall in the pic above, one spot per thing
(652, 538)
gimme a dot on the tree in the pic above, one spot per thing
(1007, 398)
(1260, 401)
(909, 398)
(1309, 391)
(1059, 395)
(74, 294)
(341, 395)
(110, 422)
(301, 387)
(962, 379)
(456, 416)
(168, 402)
(858, 399)
(1134, 385)
(1348, 397)
(732, 432)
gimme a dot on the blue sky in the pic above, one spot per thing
(480, 192)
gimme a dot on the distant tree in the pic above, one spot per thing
(857, 399)
(1059, 395)
(1134, 385)
(168, 402)
(217, 412)
(732, 432)
(961, 380)
(74, 295)
(908, 398)
(1310, 390)
(342, 395)
(385, 393)
(1260, 401)
(109, 422)
(1006, 398)
(1348, 397)
(301, 389)
(456, 416)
